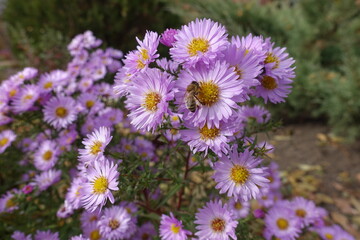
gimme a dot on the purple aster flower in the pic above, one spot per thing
(27, 189)
(73, 195)
(8, 202)
(259, 213)
(273, 88)
(65, 210)
(17, 235)
(239, 175)
(343, 235)
(46, 156)
(282, 223)
(239, 209)
(102, 178)
(167, 65)
(172, 229)
(145, 232)
(215, 89)
(60, 111)
(122, 82)
(149, 99)
(49, 81)
(10, 88)
(305, 210)
(215, 222)
(6, 138)
(90, 102)
(111, 116)
(25, 99)
(167, 37)
(114, 223)
(114, 53)
(79, 237)
(201, 41)
(47, 178)
(251, 44)
(95, 145)
(89, 218)
(144, 148)
(26, 74)
(48, 235)
(92, 231)
(257, 113)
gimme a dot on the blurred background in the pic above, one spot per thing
(318, 147)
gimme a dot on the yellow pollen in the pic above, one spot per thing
(140, 64)
(208, 93)
(27, 97)
(271, 179)
(89, 104)
(175, 229)
(268, 83)
(218, 225)
(238, 206)
(10, 203)
(270, 58)
(300, 213)
(48, 85)
(95, 235)
(329, 236)
(96, 148)
(282, 223)
(239, 174)
(238, 72)
(47, 155)
(100, 185)
(151, 101)
(143, 154)
(61, 112)
(206, 133)
(174, 131)
(12, 93)
(114, 224)
(175, 118)
(128, 210)
(4, 141)
(128, 147)
(197, 45)
(144, 54)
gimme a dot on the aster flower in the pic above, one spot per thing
(282, 223)
(217, 86)
(6, 138)
(201, 41)
(251, 44)
(167, 65)
(92, 231)
(239, 209)
(114, 222)
(48, 235)
(46, 156)
(95, 144)
(73, 195)
(122, 82)
(49, 81)
(145, 232)
(168, 37)
(305, 210)
(60, 111)
(102, 178)
(89, 218)
(79, 237)
(7, 201)
(65, 210)
(90, 103)
(257, 113)
(17, 235)
(172, 229)
(47, 178)
(215, 222)
(239, 175)
(25, 99)
(148, 99)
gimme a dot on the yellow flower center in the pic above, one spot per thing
(271, 179)
(89, 104)
(95, 235)
(282, 223)
(114, 224)
(128, 210)
(96, 148)
(268, 83)
(47, 155)
(300, 213)
(270, 58)
(144, 54)
(61, 112)
(48, 85)
(128, 147)
(238, 72)
(329, 236)
(4, 141)
(239, 174)
(151, 101)
(175, 229)
(218, 225)
(175, 118)
(174, 131)
(238, 206)
(10, 203)
(12, 93)
(206, 133)
(208, 93)
(197, 45)
(27, 97)
(100, 185)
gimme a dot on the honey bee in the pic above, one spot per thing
(191, 96)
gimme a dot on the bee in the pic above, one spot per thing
(191, 96)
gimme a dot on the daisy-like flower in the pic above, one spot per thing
(48, 235)
(89, 218)
(102, 178)
(46, 156)
(282, 223)
(7, 201)
(122, 82)
(60, 111)
(250, 43)
(17, 235)
(215, 222)
(92, 231)
(273, 88)
(201, 41)
(49, 81)
(149, 99)
(239, 175)
(145, 232)
(47, 178)
(25, 99)
(239, 209)
(257, 113)
(79, 237)
(114, 223)
(215, 89)
(90, 103)
(168, 37)
(95, 145)
(305, 210)
(6, 138)
(167, 65)
(172, 229)
(73, 195)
